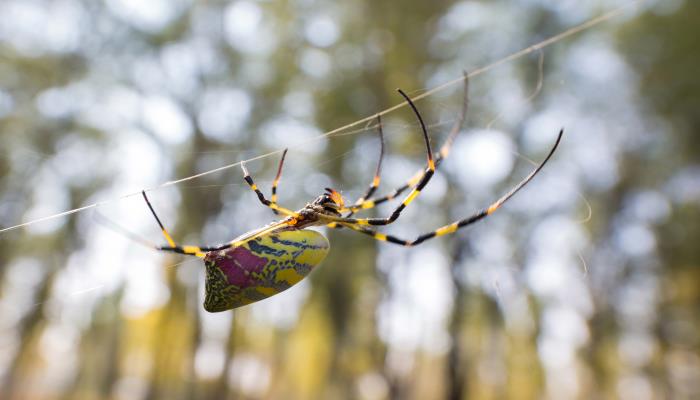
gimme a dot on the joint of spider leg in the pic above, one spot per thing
(398, 241)
(421, 239)
(492, 208)
(368, 204)
(277, 177)
(250, 182)
(173, 249)
(167, 236)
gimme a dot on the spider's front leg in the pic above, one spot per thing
(261, 196)
(366, 202)
(449, 228)
(427, 174)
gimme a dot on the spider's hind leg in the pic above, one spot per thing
(172, 246)
(200, 251)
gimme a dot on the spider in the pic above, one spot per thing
(266, 261)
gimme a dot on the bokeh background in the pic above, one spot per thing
(586, 285)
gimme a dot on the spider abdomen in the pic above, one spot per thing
(261, 268)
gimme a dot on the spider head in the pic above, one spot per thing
(331, 201)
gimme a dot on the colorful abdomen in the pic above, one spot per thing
(261, 268)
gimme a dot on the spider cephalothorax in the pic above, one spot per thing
(328, 204)
(268, 260)
(331, 202)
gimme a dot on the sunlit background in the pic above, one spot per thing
(585, 285)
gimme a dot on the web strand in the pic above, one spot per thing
(513, 56)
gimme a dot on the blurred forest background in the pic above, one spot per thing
(586, 285)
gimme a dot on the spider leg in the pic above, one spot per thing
(273, 198)
(375, 181)
(453, 227)
(261, 196)
(172, 246)
(199, 251)
(368, 203)
(167, 236)
(429, 171)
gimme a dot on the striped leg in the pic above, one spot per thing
(273, 198)
(439, 157)
(172, 246)
(261, 196)
(199, 251)
(453, 227)
(429, 171)
(375, 181)
(447, 229)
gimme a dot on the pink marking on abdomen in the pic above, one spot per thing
(238, 264)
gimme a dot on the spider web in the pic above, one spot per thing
(351, 128)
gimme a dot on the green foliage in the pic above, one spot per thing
(101, 100)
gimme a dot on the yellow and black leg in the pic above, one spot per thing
(377, 172)
(368, 203)
(453, 227)
(200, 251)
(273, 198)
(445, 230)
(375, 180)
(429, 171)
(197, 251)
(261, 196)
